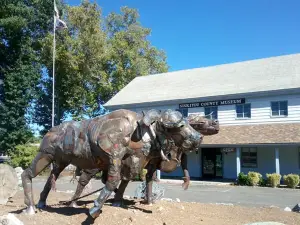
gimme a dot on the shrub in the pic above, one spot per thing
(243, 179)
(291, 180)
(254, 178)
(262, 182)
(23, 155)
(143, 174)
(273, 179)
(98, 175)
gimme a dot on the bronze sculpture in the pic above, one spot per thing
(203, 125)
(102, 142)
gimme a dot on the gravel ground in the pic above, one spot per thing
(160, 213)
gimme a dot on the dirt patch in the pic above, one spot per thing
(160, 213)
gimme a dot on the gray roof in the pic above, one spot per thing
(275, 73)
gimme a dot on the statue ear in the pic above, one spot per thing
(151, 116)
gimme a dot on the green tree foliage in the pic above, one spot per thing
(95, 58)
(23, 155)
(131, 52)
(22, 25)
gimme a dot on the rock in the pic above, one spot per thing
(19, 172)
(126, 197)
(296, 208)
(160, 208)
(10, 219)
(224, 204)
(167, 199)
(182, 207)
(8, 183)
(287, 209)
(132, 219)
(177, 200)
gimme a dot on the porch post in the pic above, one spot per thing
(158, 174)
(238, 161)
(277, 165)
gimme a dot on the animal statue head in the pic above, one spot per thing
(204, 125)
(187, 133)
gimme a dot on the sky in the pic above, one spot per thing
(198, 33)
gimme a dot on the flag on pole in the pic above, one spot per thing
(59, 24)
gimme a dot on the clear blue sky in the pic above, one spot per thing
(199, 33)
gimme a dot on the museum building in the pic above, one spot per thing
(257, 103)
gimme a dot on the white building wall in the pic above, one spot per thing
(194, 167)
(260, 110)
(265, 161)
(229, 165)
(289, 160)
(260, 114)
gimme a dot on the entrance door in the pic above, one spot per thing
(212, 163)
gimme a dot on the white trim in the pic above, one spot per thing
(238, 161)
(277, 165)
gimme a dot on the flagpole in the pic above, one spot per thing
(53, 71)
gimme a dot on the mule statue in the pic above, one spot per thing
(175, 158)
(102, 142)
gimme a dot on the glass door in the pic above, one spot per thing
(212, 163)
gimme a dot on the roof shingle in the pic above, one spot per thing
(285, 133)
(275, 73)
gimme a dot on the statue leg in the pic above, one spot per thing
(40, 162)
(149, 182)
(111, 184)
(186, 177)
(118, 199)
(52, 178)
(84, 179)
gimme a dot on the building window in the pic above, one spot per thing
(279, 108)
(183, 111)
(249, 158)
(243, 111)
(211, 112)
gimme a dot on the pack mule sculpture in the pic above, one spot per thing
(176, 156)
(101, 143)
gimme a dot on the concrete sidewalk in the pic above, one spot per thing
(197, 182)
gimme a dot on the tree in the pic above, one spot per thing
(131, 52)
(22, 25)
(80, 55)
(95, 58)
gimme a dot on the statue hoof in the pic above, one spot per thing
(73, 205)
(146, 202)
(94, 212)
(41, 205)
(29, 211)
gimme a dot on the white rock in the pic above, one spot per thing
(182, 207)
(167, 199)
(19, 172)
(224, 204)
(10, 219)
(160, 208)
(8, 183)
(177, 200)
(126, 197)
(287, 209)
